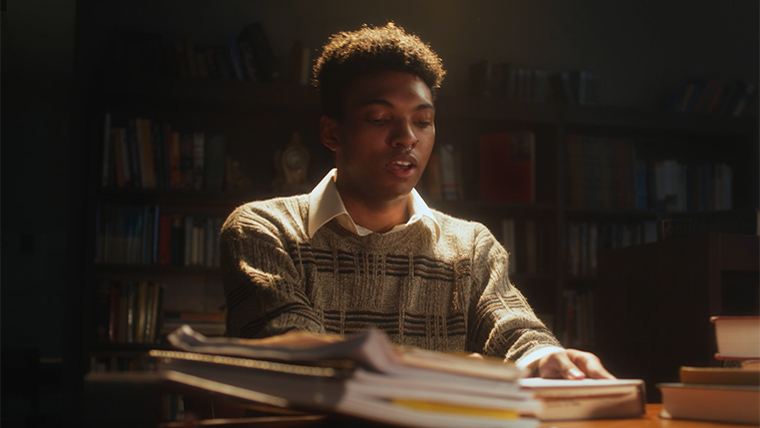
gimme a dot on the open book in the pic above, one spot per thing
(364, 376)
(371, 349)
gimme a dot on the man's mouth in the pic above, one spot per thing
(402, 165)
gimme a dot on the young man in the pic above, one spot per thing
(363, 249)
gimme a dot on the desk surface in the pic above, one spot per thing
(135, 391)
(649, 420)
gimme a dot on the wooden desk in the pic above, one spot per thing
(650, 420)
(113, 397)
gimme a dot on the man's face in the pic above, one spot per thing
(385, 138)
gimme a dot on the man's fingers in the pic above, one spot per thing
(572, 364)
(569, 369)
(589, 364)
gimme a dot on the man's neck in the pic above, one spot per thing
(378, 218)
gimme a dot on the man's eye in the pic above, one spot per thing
(424, 123)
(377, 120)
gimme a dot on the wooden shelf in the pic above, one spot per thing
(130, 272)
(628, 119)
(223, 92)
(181, 197)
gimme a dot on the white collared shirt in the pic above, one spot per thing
(326, 204)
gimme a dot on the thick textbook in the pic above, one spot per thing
(587, 398)
(717, 403)
(737, 337)
(363, 376)
(720, 375)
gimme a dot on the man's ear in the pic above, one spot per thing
(328, 132)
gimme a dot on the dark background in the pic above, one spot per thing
(641, 50)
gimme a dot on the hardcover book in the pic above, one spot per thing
(738, 338)
(587, 398)
(717, 403)
(507, 167)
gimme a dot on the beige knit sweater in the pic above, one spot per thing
(445, 294)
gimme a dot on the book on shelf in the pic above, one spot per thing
(585, 239)
(247, 59)
(186, 159)
(199, 160)
(122, 169)
(562, 88)
(743, 222)
(108, 157)
(235, 59)
(174, 159)
(143, 235)
(580, 330)
(215, 156)
(265, 62)
(451, 173)
(133, 144)
(587, 398)
(601, 172)
(509, 81)
(529, 243)
(247, 56)
(363, 376)
(716, 96)
(300, 63)
(609, 173)
(145, 153)
(442, 179)
(130, 312)
(507, 167)
(585, 86)
(160, 133)
(486, 78)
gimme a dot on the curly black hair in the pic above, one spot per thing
(347, 55)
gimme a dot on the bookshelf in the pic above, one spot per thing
(555, 237)
(153, 209)
(563, 288)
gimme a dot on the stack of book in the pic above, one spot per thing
(363, 376)
(728, 394)
(368, 378)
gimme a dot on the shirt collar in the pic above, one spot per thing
(326, 204)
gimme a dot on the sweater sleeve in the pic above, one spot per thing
(262, 284)
(505, 324)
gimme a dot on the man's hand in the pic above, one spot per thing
(572, 364)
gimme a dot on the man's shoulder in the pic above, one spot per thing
(278, 202)
(450, 224)
(276, 212)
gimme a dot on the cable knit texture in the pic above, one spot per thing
(449, 294)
